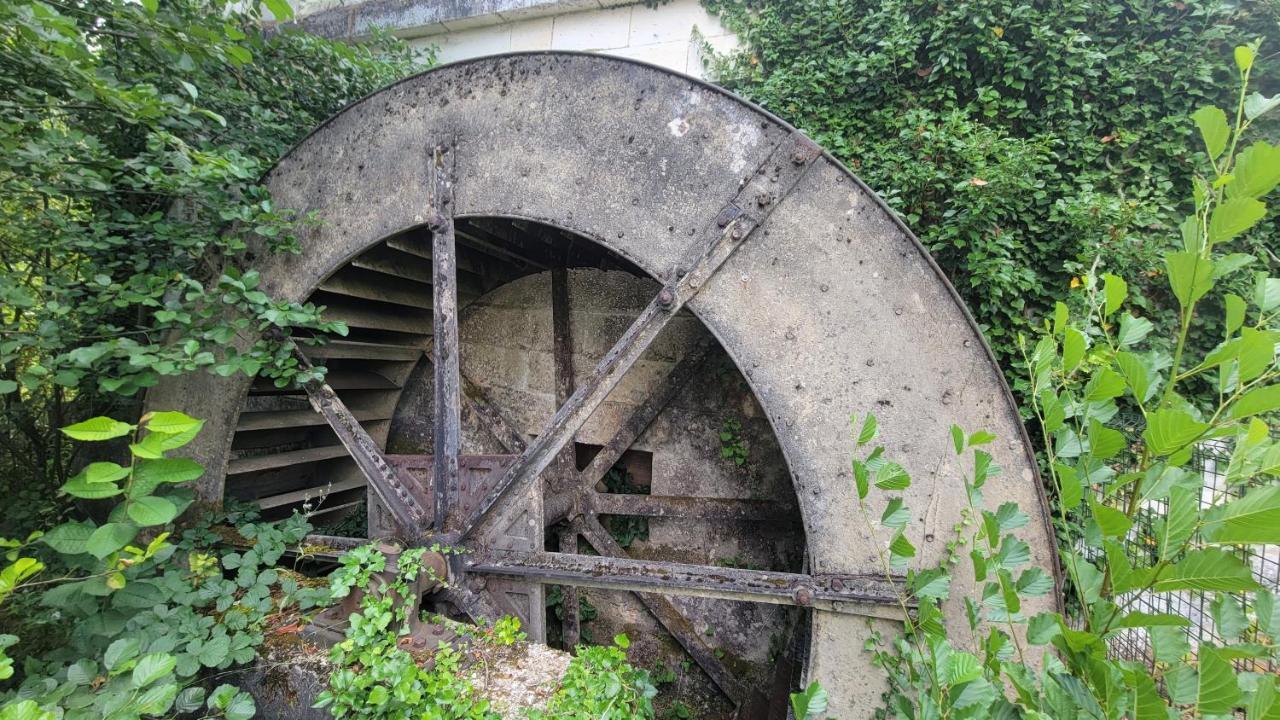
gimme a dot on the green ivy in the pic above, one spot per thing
(132, 140)
(1021, 140)
(601, 685)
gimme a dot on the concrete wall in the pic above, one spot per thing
(670, 35)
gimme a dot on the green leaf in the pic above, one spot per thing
(109, 538)
(868, 431)
(6, 387)
(1169, 643)
(957, 438)
(1136, 373)
(120, 652)
(1257, 401)
(811, 703)
(215, 651)
(1190, 276)
(1112, 522)
(1147, 702)
(892, 476)
(97, 429)
(1116, 290)
(1072, 489)
(1235, 310)
(1104, 442)
(1254, 518)
(1214, 130)
(1180, 521)
(79, 487)
(69, 538)
(280, 9)
(1104, 385)
(151, 6)
(157, 700)
(1141, 619)
(1228, 617)
(1073, 347)
(151, 510)
(1218, 693)
(1234, 216)
(150, 474)
(1258, 104)
(171, 423)
(1267, 610)
(1171, 430)
(151, 668)
(1244, 55)
(862, 478)
(961, 667)
(895, 515)
(1133, 330)
(901, 549)
(24, 710)
(103, 472)
(933, 583)
(1257, 171)
(1208, 570)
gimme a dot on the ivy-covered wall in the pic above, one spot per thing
(1020, 139)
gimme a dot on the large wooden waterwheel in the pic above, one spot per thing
(608, 326)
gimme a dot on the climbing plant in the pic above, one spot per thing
(1019, 139)
(1082, 368)
(132, 139)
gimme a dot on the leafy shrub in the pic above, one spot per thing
(132, 140)
(1020, 140)
(148, 618)
(376, 678)
(601, 685)
(1082, 370)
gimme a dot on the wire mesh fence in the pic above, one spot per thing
(1141, 544)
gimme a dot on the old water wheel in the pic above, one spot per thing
(607, 328)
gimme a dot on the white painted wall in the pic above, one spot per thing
(669, 35)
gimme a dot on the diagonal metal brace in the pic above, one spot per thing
(402, 499)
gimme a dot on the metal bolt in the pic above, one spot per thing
(804, 597)
(666, 298)
(837, 584)
(764, 198)
(737, 233)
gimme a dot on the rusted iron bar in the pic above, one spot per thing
(570, 626)
(402, 499)
(642, 417)
(566, 475)
(770, 183)
(444, 263)
(692, 508)
(675, 622)
(849, 594)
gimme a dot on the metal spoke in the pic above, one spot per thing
(773, 180)
(444, 258)
(402, 499)
(848, 594)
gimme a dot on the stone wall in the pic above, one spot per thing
(670, 34)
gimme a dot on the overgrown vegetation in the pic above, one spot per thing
(1020, 140)
(1084, 367)
(132, 139)
(141, 620)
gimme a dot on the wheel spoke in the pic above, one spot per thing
(444, 259)
(850, 594)
(402, 499)
(779, 174)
